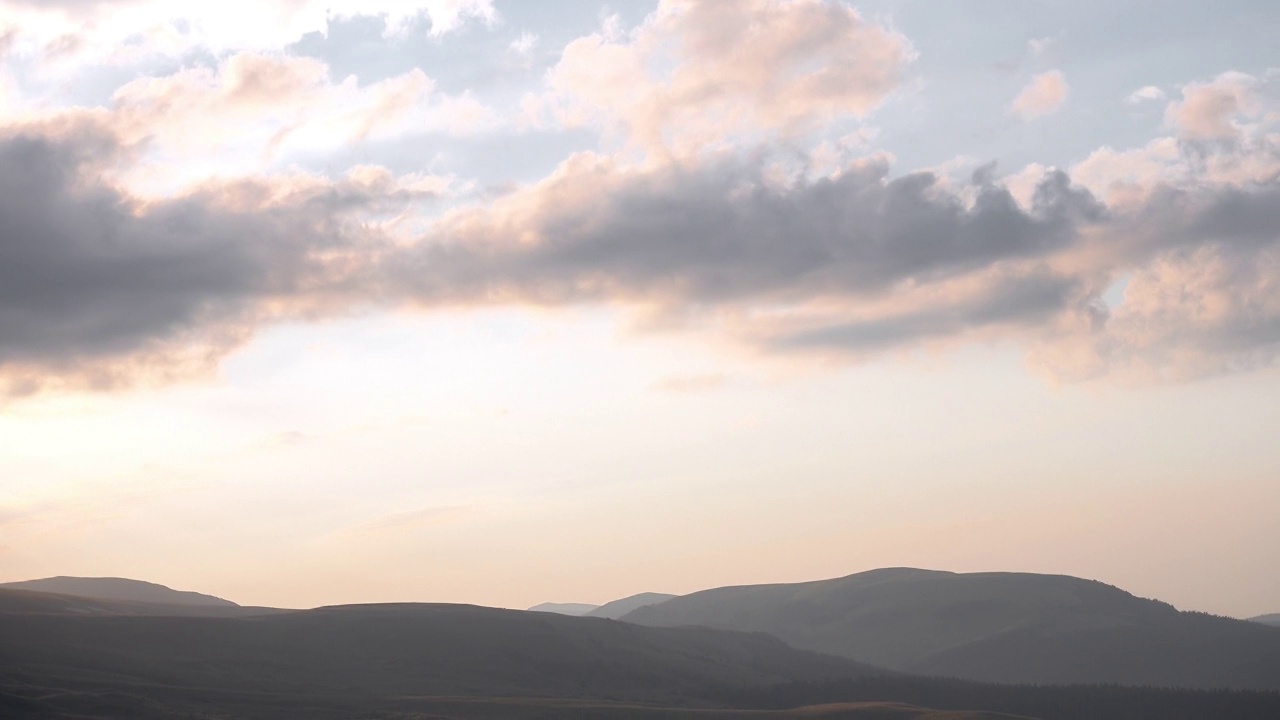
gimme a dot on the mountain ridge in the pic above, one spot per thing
(615, 609)
(991, 627)
(571, 609)
(118, 589)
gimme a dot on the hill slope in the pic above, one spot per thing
(616, 609)
(1273, 620)
(449, 662)
(997, 627)
(333, 656)
(20, 602)
(120, 589)
(574, 609)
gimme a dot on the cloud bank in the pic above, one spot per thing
(714, 209)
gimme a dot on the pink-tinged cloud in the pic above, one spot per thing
(1044, 95)
(1213, 111)
(699, 73)
(848, 265)
(722, 222)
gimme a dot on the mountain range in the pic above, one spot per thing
(619, 608)
(855, 647)
(995, 627)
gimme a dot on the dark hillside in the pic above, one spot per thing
(995, 627)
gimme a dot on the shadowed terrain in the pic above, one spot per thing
(68, 657)
(75, 648)
(618, 608)
(995, 627)
(19, 602)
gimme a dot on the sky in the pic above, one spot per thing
(310, 302)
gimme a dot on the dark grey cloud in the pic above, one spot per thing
(87, 273)
(887, 261)
(1017, 301)
(720, 235)
(89, 276)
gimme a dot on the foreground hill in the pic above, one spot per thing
(451, 661)
(996, 627)
(387, 651)
(618, 608)
(120, 589)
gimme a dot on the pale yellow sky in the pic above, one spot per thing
(511, 458)
(308, 302)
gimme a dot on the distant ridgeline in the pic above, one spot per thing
(150, 651)
(120, 589)
(994, 627)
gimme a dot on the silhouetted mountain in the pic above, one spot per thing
(1273, 620)
(118, 589)
(616, 609)
(574, 609)
(374, 656)
(996, 627)
(16, 602)
(449, 662)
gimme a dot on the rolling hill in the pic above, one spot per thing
(616, 609)
(337, 656)
(69, 657)
(120, 589)
(994, 627)
(1273, 620)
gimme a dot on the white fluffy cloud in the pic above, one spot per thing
(65, 36)
(698, 73)
(252, 108)
(1144, 94)
(1216, 110)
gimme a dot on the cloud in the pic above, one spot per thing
(524, 44)
(252, 108)
(104, 28)
(1145, 93)
(1039, 46)
(1044, 95)
(99, 289)
(709, 72)
(712, 215)
(725, 232)
(1213, 111)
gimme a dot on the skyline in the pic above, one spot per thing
(304, 303)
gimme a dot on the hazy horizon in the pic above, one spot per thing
(307, 303)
